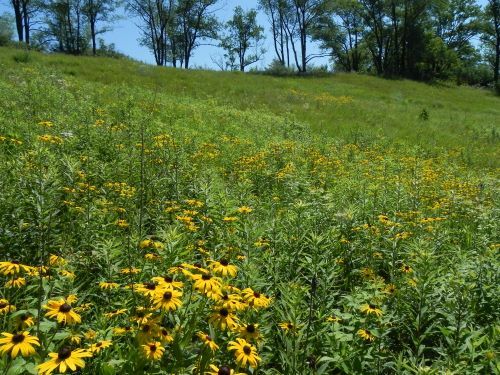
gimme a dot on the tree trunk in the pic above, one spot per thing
(19, 19)
(26, 21)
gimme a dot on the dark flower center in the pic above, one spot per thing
(65, 308)
(152, 348)
(289, 325)
(98, 345)
(167, 296)
(247, 350)
(150, 286)
(3, 305)
(372, 307)
(128, 328)
(164, 332)
(15, 262)
(197, 265)
(24, 317)
(224, 312)
(64, 353)
(250, 328)
(168, 279)
(256, 295)
(224, 262)
(224, 370)
(146, 328)
(208, 338)
(225, 297)
(17, 339)
(206, 277)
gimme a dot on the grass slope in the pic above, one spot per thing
(463, 118)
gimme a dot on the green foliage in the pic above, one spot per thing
(376, 239)
(6, 29)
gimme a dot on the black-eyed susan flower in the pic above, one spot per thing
(108, 285)
(18, 282)
(148, 331)
(153, 351)
(99, 346)
(288, 326)
(90, 335)
(406, 268)
(130, 271)
(206, 282)
(56, 260)
(164, 335)
(16, 343)
(222, 370)
(168, 282)
(229, 301)
(6, 307)
(208, 341)
(115, 313)
(167, 300)
(255, 299)
(62, 311)
(67, 274)
(249, 331)
(119, 331)
(223, 268)
(223, 319)
(12, 268)
(24, 320)
(244, 210)
(64, 360)
(147, 289)
(142, 315)
(244, 352)
(365, 334)
(369, 308)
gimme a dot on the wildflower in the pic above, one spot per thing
(118, 331)
(287, 326)
(365, 335)
(223, 268)
(153, 351)
(98, 346)
(168, 282)
(255, 299)
(25, 321)
(390, 289)
(406, 268)
(208, 341)
(142, 315)
(245, 353)
(244, 210)
(223, 319)
(229, 301)
(62, 311)
(6, 307)
(167, 300)
(67, 274)
(230, 219)
(115, 313)
(16, 283)
(75, 338)
(122, 223)
(165, 336)
(16, 343)
(206, 282)
(12, 268)
(90, 335)
(55, 260)
(130, 271)
(147, 289)
(223, 370)
(250, 331)
(64, 359)
(369, 308)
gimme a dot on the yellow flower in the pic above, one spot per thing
(206, 282)
(98, 346)
(250, 332)
(223, 319)
(369, 308)
(108, 285)
(90, 335)
(167, 300)
(122, 223)
(115, 313)
(244, 352)
(118, 331)
(208, 341)
(223, 268)
(406, 269)
(67, 274)
(16, 283)
(287, 326)
(55, 260)
(365, 335)
(25, 321)
(255, 299)
(133, 271)
(14, 344)
(147, 289)
(62, 311)
(167, 282)
(11, 268)
(244, 210)
(230, 219)
(65, 359)
(6, 307)
(222, 370)
(229, 301)
(153, 351)
(165, 336)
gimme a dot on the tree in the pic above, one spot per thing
(155, 17)
(244, 34)
(99, 11)
(25, 12)
(197, 21)
(6, 29)
(491, 36)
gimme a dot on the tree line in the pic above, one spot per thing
(417, 39)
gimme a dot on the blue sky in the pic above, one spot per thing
(125, 35)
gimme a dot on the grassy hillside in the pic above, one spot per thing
(159, 221)
(345, 106)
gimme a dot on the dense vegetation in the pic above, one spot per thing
(152, 218)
